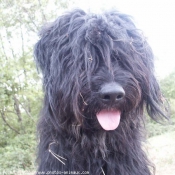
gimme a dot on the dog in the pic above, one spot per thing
(98, 83)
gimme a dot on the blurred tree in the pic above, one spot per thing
(20, 86)
(168, 86)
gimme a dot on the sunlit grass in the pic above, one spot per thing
(161, 151)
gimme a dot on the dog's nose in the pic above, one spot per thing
(112, 93)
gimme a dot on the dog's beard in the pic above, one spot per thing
(108, 117)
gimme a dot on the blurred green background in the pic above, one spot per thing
(21, 91)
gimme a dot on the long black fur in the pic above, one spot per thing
(78, 53)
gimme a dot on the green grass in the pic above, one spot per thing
(154, 129)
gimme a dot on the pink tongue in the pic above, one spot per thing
(109, 120)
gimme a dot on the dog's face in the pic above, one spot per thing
(113, 92)
(97, 69)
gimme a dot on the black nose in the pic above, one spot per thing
(111, 93)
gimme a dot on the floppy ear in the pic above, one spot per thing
(156, 105)
(58, 55)
(54, 43)
(143, 60)
(137, 57)
(42, 54)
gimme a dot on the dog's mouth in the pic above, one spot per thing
(109, 119)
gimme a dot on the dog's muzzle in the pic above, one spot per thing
(110, 94)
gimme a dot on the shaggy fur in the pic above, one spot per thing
(78, 54)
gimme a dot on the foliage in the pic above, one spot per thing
(168, 86)
(20, 86)
(18, 154)
(155, 129)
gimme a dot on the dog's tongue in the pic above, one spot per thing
(108, 119)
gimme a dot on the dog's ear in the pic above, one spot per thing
(54, 43)
(58, 55)
(156, 104)
(41, 51)
(136, 56)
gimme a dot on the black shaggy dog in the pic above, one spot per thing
(98, 77)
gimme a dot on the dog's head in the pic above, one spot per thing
(99, 68)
